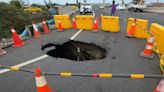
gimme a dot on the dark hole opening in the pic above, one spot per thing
(75, 50)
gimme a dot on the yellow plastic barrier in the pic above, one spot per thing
(84, 22)
(65, 21)
(158, 32)
(110, 23)
(141, 28)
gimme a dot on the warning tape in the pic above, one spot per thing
(93, 75)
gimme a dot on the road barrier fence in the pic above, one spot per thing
(94, 75)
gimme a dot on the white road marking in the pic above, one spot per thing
(36, 59)
(25, 63)
(75, 35)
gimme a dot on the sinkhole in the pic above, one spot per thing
(75, 50)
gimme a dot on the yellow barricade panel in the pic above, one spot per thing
(110, 23)
(141, 28)
(158, 32)
(84, 22)
(65, 21)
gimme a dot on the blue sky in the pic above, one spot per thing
(73, 1)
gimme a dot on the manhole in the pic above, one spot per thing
(75, 50)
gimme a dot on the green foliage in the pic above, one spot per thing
(16, 3)
(11, 15)
(35, 5)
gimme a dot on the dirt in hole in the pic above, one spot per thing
(75, 50)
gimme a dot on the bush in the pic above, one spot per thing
(12, 15)
(16, 3)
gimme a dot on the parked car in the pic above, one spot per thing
(33, 9)
(87, 8)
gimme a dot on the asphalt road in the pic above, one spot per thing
(127, 60)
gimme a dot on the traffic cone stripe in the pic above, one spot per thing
(12, 30)
(133, 24)
(41, 81)
(148, 51)
(35, 27)
(59, 21)
(95, 21)
(44, 22)
(149, 47)
(151, 39)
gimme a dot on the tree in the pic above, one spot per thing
(35, 5)
(16, 3)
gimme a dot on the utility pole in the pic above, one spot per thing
(50, 2)
(122, 2)
(28, 3)
(103, 2)
(77, 2)
(45, 4)
(21, 1)
(85, 1)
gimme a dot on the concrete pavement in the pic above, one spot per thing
(123, 57)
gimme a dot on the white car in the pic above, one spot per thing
(84, 9)
(121, 7)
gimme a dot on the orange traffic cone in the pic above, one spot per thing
(74, 23)
(60, 28)
(160, 87)
(41, 83)
(2, 52)
(95, 25)
(35, 30)
(17, 41)
(45, 27)
(148, 51)
(132, 29)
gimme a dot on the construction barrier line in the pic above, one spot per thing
(93, 75)
(65, 74)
